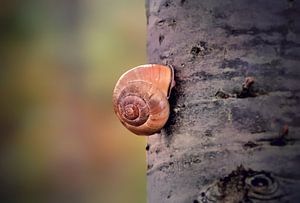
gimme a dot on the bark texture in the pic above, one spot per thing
(233, 133)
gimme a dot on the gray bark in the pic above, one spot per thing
(228, 139)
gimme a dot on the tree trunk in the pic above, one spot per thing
(232, 135)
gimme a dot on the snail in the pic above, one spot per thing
(140, 98)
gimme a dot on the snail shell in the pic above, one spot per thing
(140, 98)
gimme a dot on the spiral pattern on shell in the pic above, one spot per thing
(141, 98)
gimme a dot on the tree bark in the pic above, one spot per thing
(232, 135)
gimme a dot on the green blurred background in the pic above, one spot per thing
(60, 141)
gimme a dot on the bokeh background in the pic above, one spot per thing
(60, 141)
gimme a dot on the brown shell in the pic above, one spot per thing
(140, 98)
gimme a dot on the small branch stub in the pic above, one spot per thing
(247, 88)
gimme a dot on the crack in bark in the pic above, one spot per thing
(231, 31)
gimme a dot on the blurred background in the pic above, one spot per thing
(59, 62)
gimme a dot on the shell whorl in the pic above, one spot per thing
(141, 100)
(142, 108)
(132, 105)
